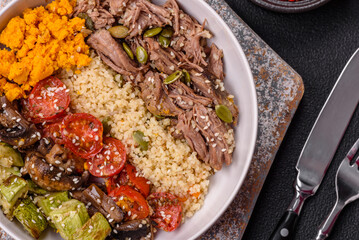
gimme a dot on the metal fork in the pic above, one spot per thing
(347, 188)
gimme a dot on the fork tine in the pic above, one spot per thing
(353, 151)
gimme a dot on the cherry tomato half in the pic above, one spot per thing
(140, 183)
(131, 202)
(48, 100)
(167, 210)
(53, 131)
(129, 176)
(117, 180)
(82, 134)
(110, 161)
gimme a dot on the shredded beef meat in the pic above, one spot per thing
(155, 98)
(205, 133)
(192, 136)
(162, 60)
(99, 15)
(213, 130)
(101, 18)
(215, 63)
(184, 97)
(143, 14)
(210, 87)
(112, 53)
(117, 6)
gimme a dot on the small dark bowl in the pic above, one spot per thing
(290, 7)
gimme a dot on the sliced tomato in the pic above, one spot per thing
(53, 131)
(141, 183)
(117, 180)
(131, 202)
(48, 100)
(167, 210)
(82, 134)
(129, 176)
(110, 161)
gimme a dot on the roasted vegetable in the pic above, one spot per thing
(69, 218)
(103, 203)
(134, 230)
(10, 157)
(33, 188)
(51, 202)
(95, 228)
(11, 190)
(30, 217)
(6, 172)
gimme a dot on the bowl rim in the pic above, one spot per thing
(254, 131)
(290, 7)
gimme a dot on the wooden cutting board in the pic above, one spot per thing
(279, 91)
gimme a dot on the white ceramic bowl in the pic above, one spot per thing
(225, 184)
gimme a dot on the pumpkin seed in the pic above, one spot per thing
(152, 32)
(139, 136)
(118, 31)
(164, 42)
(141, 55)
(167, 32)
(186, 76)
(173, 77)
(128, 50)
(88, 21)
(224, 114)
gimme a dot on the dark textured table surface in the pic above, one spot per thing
(317, 45)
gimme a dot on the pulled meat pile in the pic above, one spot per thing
(191, 104)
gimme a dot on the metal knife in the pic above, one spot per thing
(322, 144)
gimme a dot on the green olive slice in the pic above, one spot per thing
(152, 32)
(224, 113)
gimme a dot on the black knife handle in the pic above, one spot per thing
(286, 226)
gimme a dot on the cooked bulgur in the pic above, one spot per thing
(169, 164)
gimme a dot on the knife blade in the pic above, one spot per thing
(321, 145)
